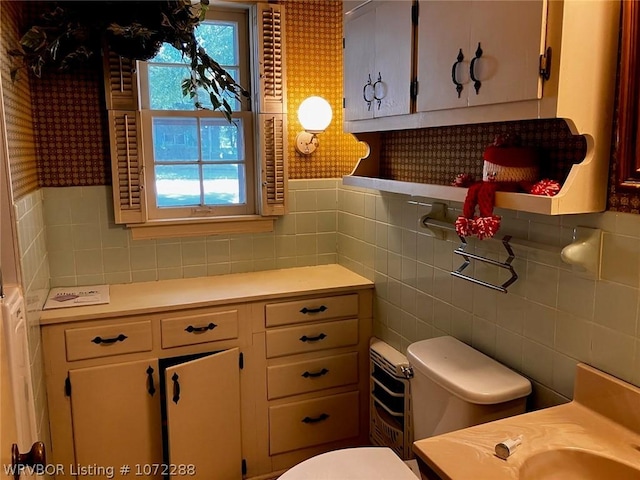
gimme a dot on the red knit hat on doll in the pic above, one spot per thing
(508, 167)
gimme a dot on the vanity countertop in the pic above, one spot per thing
(166, 295)
(603, 419)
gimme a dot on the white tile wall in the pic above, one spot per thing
(86, 247)
(34, 265)
(552, 317)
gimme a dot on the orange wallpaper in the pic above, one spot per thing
(71, 141)
(314, 67)
(17, 107)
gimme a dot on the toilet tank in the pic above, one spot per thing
(455, 386)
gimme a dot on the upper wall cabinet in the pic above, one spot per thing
(377, 60)
(490, 61)
(479, 53)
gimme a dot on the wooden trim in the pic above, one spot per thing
(210, 226)
(628, 147)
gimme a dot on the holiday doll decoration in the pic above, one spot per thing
(508, 167)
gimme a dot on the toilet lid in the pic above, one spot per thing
(362, 463)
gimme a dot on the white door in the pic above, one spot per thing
(393, 58)
(358, 67)
(8, 427)
(116, 418)
(203, 417)
(511, 36)
(443, 55)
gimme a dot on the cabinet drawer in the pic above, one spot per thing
(312, 375)
(311, 309)
(313, 422)
(201, 328)
(311, 338)
(106, 340)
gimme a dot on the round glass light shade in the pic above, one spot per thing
(315, 114)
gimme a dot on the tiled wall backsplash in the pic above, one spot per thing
(34, 263)
(552, 316)
(85, 246)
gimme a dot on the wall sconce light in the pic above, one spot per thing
(315, 115)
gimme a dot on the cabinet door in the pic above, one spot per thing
(393, 57)
(358, 67)
(203, 416)
(116, 416)
(510, 34)
(443, 35)
(377, 61)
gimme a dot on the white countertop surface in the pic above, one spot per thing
(163, 295)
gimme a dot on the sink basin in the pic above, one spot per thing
(573, 464)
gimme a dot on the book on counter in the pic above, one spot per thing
(61, 297)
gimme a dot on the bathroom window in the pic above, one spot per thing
(180, 168)
(197, 164)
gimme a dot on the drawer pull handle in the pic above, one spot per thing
(120, 338)
(322, 417)
(320, 309)
(151, 388)
(176, 388)
(322, 372)
(192, 329)
(304, 338)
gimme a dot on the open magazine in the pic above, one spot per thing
(61, 297)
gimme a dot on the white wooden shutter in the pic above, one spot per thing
(272, 109)
(271, 61)
(120, 81)
(273, 134)
(121, 93)
(126, 166)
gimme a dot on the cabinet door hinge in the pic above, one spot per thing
(244, 467)
(415, 12)
(67, 386)
(344, 102)
(413, 89)
(241, 362)
(545, 64)
(343, 43)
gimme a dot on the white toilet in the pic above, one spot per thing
(453, 387)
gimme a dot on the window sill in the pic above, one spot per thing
(197, 227)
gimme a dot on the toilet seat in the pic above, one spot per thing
(361, 463)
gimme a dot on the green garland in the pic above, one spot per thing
(72, 32)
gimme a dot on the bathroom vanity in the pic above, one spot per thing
(595, 436)
(215, 377)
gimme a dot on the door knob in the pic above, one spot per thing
(34, 457)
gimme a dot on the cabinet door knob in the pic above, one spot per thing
(454, 79)
(36, 457)
(176, 388)
(476, 83)
(368, 87)
(304, 338)
(151, 388)
(382, 89)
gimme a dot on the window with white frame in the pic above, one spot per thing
(182, 170)
(196, 162)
